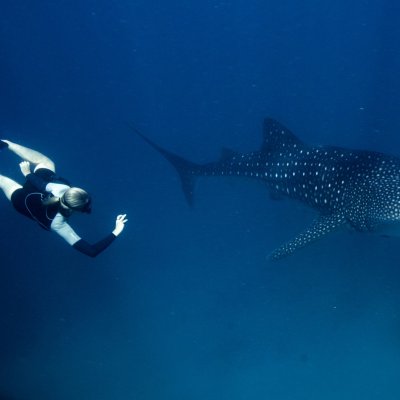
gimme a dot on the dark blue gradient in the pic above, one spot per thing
(184, 305)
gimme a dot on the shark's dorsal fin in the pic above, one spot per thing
(320, 227)
(278, 137)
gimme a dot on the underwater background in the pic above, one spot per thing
(185, 304)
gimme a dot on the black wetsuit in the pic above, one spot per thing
(28, 201)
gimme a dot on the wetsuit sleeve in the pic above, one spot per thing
(37, 182)
(92, 250)
(62, 228)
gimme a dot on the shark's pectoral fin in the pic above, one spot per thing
(320, 227)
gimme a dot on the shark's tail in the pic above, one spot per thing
(186, 169)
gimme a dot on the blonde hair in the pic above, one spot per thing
(76, 199)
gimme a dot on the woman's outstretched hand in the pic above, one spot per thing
(120, 224)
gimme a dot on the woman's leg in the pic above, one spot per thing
(33, 156)
(8, 186)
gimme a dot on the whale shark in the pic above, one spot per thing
(359, 189)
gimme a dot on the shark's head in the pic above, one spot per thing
(385, 206)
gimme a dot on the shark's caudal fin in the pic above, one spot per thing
(186, 169)
(277, 137)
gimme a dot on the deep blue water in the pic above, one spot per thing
(185, 305)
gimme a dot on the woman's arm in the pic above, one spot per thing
(61, 227)
(92, 250)
(38, 182)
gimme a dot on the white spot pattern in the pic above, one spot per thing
(361, 188)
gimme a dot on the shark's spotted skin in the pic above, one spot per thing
(353, 187)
